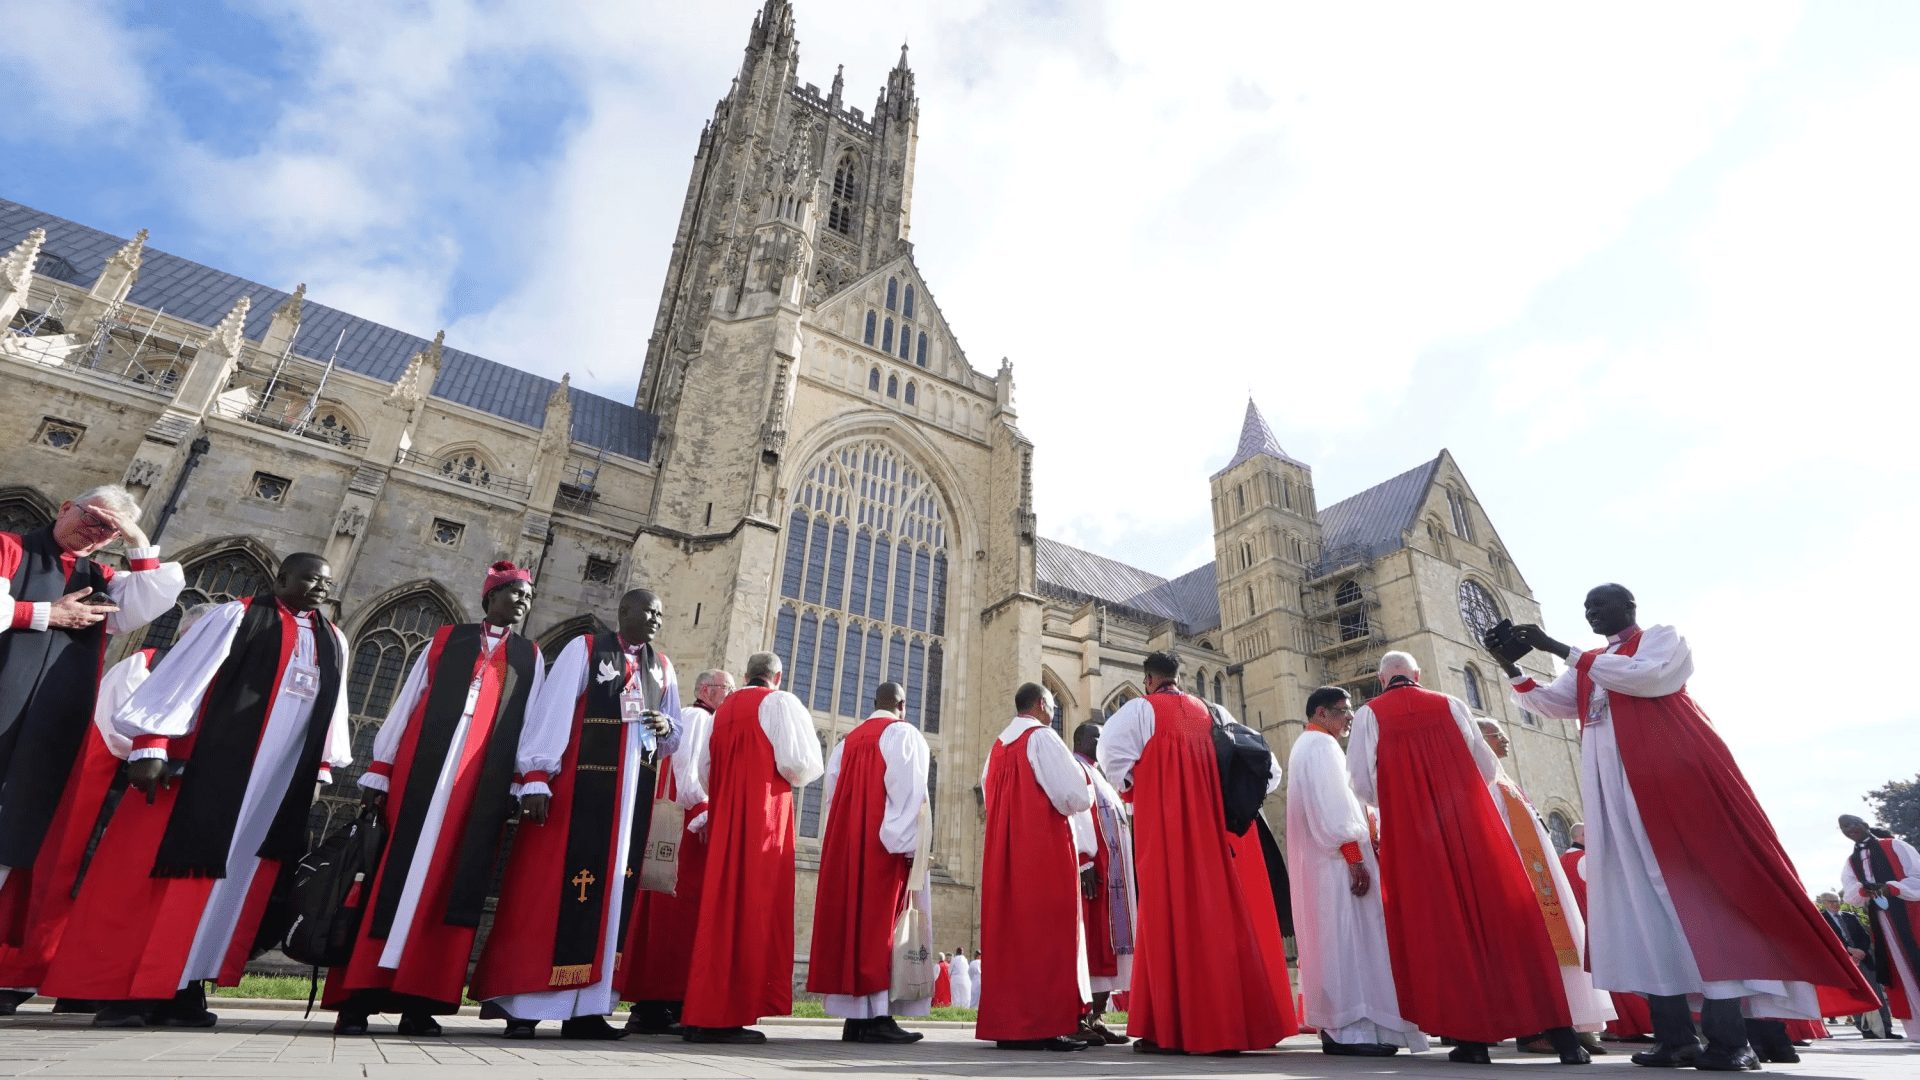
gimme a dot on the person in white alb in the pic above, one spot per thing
(876, 784)
(1688, 889)
(178, 884)
(961, 977)
(1882, 878)
(610, 704)
(1346, 972)
(442, 774)
(1590, 1008)
(1109, 908)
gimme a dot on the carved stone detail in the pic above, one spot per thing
(352, 519)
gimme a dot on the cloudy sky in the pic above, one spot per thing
(1650, 272)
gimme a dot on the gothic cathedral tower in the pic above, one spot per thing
(1266, 534)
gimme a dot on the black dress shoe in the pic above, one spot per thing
(1059, 1044)
(1328, 1046)
(1780, 1057)
(350, 1024)
(123, 1014)
(1148, 1046)
(590, 1027)
(11, 1000)
(651, 1018)
(1668, 1056)
(1469, 1053)
(420, 1025)
(850, 1030)
(73, 1005)
(1721, 1059)
(883, 1029)
(520, 1029)
(743, 1036)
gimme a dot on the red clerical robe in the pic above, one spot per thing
(36, 902)
(1201, 980)
(1471, 955)
(659, 949)
(422, 951)
(861, 883)
(1029, 903)
(943, 986)
(744, 946)
(1250, 866)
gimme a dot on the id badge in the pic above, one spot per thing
(303, 680)
(633, 706)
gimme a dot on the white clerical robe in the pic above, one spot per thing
(1637, 944)
(1909, 890)
(116, 689)
(1090, 830)
(168, 703)
(960, 979)
(690, 763)
(973, 982)
(142, 593)
(905, 751)
(1346, 973)
(386, 747)
(543, 743)
(1590, 1008)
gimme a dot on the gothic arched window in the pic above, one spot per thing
(909, 399)
(1353, 623)
(893, 294)
(233, 574)
(846, 194)
(893, 386)
(1475, 699)
(906, 341)
(1560, 830)
(1218, 698)
(864, 584)
(868, 336)
(906, 309)
(886, 336)
(873, 379)
(810, 810)
(920, 354)
(387, 647)
(468, 467)
(23, 510)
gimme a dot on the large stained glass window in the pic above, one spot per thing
(863, 585)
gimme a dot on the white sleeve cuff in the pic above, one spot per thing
(149, 752)
(373, 782)
(42, 613)
(1573, 656)
(152, 552)
(698, 826)
(538, 787)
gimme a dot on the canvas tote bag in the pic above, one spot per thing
(660, 859)
(914, 968)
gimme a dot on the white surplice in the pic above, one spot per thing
(1089, 833)
(1908, 888)
(543, 743)
(960, 982)
(116, 688)
(1590, 1008)
(1636, 940)
(689, 764)
(168, 703)
(386, 746)
(141, 595)
(905, 751)
(1346, 972)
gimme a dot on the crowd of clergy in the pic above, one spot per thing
(150, 817)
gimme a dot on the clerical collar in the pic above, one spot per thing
(288, 610)
(629, 648)
(1615, 639)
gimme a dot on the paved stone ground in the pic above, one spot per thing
(282, 1045)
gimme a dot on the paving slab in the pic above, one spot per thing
(282, 1045)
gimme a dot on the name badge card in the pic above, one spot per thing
(303, 680)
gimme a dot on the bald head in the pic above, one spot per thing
(640, 616)
(890, 697)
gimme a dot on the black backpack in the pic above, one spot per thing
(1245, 766)
(332, 889)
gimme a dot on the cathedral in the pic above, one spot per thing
(811, 465)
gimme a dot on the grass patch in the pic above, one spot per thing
(285, 987)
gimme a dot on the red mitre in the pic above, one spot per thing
(504, 573)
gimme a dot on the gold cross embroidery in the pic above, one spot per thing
(583, 879)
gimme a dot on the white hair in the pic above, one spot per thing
(1398, 663)
(117, 499)
(190, 616)
(762, 665)
(713, 677)
(1488, 722)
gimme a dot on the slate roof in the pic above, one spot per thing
(1190, 599)
(1375, 521)
(200, 294)
(1257, 438)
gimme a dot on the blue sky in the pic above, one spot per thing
(1648, 270)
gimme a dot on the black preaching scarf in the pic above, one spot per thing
(493, 799)
(595, 813)
(1896, 910)
(234, 712)
(48, 681)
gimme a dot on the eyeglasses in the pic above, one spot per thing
(96, 522)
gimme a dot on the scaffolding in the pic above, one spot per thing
(1342, 629)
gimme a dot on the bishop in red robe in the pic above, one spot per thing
(1882, 878)
(585, 758)
(1202, 979)
(659, 950)
(876, 784)
(764, 745)
(250, 702)
(448, 750)
(1030, 885)
(1689, 889)
(1472, 958)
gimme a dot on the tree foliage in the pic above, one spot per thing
(1897, 805)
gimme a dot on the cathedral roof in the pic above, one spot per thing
(1257, 438)
(1190, 600)
(200, 294)
(1375, 521)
